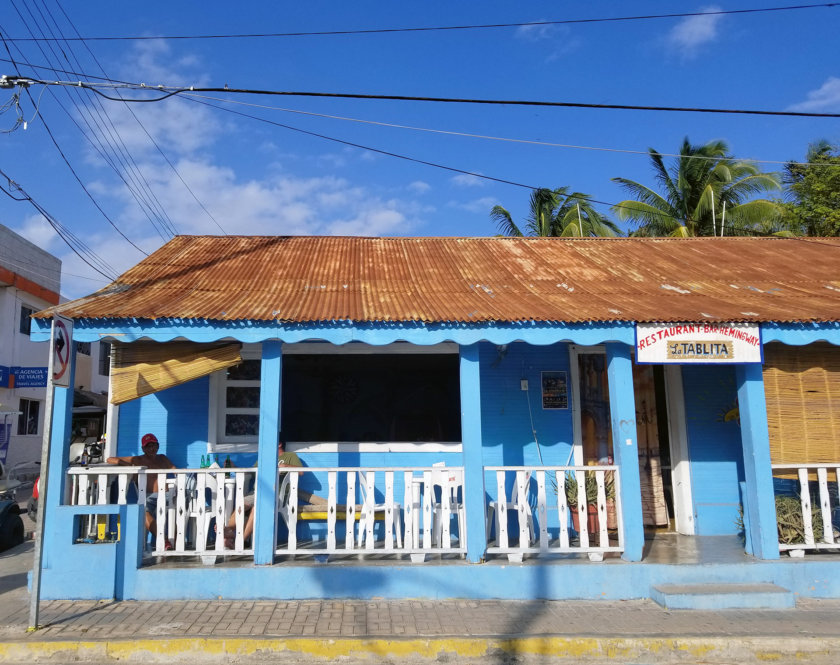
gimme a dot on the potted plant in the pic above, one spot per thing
(591, 491)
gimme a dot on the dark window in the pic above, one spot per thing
(104, 358)
(83, 347)
(25, 321)
(28, 418)
(371, 397)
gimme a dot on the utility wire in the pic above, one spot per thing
(100, 124)
(143, 127)
(397, 155)
(78, 247)
(445, 132)
(169, 91)
(485, 26)
(73, 171)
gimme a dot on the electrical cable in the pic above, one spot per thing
(486, 26)
(76, 175)
(78, 247)
(143, 127)
(102, 125)
(169, 91)
(445, 132)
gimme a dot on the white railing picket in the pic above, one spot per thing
(389, 510)
(331, 508)
(540, 538)
(825, 506)
(350, 519)
(501, 511)
(180, 512)
(542, 511)
(804, 473)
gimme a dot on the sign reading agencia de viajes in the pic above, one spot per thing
(697, 343)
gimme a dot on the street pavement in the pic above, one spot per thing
(408, 631)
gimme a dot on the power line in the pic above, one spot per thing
(110, 136)
(79, 248)
(143, 127)
(73, 171)
(410, 159)
(363, 147)
(445, 132)
(169, 91)
(485, 26)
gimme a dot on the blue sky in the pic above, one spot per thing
(257, 178)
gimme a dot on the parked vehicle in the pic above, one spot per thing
(11, 525)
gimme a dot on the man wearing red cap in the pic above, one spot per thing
(151, 460)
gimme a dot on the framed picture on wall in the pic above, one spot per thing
(555, 390)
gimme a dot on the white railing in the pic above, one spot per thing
(821, 474)
(424, 516)
(544, 515)
(192, 517)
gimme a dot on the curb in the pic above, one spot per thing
(814, 650)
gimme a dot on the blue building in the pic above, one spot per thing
(475, 417)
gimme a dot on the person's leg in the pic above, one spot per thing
(249, 526)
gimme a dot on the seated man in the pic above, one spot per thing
(283, 459)
(151, 460)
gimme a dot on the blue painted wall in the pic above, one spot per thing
(177, 416)
(506, 415)
(715, 450)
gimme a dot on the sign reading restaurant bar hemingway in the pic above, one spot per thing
(695, 343)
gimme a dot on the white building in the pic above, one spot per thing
(30, 280)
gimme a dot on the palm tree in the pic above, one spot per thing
(695, 189)
(556, 212)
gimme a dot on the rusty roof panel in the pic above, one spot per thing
(309, 279)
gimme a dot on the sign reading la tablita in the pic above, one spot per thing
(696, 343)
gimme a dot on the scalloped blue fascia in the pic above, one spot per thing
(342, 332)
(798, 334)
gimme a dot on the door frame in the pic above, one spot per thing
(677, 435)
(680, 461)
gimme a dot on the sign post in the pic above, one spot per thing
(58, 373)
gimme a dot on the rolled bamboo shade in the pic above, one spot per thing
(142, 368)
(802, 388)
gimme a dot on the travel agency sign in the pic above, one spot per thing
(698, 343)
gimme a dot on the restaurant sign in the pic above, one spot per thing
(698, 343)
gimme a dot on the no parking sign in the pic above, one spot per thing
(62, 348)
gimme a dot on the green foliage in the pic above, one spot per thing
(590, 485)
(790, 523)
(554, 213)
(692, 193)
(812, 192)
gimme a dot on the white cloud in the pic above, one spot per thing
(37, 230)
(419, 187)
(824, 98)
(694, 31)
(466, 180)
(482, 205)
(274, 200)
(536, 33)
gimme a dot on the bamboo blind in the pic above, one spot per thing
(802, 388)
(142, 368)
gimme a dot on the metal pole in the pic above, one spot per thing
(35, 598)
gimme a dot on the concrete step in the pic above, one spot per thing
(722, 596)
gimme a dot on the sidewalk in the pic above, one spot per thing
(636, 631)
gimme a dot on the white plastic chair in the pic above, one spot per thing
(518, 503)
(451, 484)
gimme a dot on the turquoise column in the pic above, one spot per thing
(265, 522)
(758, 475)
(626, 447)
(472, 453)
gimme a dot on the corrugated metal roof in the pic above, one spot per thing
(310, 279)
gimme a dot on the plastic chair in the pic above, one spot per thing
(451, 485)
(522, 509)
